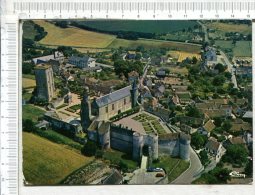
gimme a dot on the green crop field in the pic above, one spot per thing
(47, 163)
(73, 37)
(243, 49)
(151, 43)
(240, 49)
(147, 26)
(31, 112)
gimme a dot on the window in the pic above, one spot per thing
(106, 109)
(112, 106)
(125, 101)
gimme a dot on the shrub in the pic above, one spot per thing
(89, 149)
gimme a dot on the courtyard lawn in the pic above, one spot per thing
(31, 112)
(173, 166)
(47, 163)
(150, 123)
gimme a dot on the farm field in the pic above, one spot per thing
(229, 27)
(28, 83)
(180, 55)
(179, 70)
(72, 36)
(149, 43)
(47, 163)
(149, 26)
(240, 49)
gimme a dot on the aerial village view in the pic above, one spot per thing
(136, 102)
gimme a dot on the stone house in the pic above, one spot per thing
(215, 148)
(207, 128)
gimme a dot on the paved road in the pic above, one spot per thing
(231, 69)
(192, 172)
(204, 28)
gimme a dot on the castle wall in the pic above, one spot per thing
(121, 139)
(184, 148)
(169, 147)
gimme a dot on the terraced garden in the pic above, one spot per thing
(150, 123)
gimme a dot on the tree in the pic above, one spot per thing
(236, 154)
(123, 166)
(220, 67)
(226, 126)
(218, 121)
(219, 80)
(28, 125)
(61, 24)
(198, 140)
(192, 111)
(89, 149)
(222, 174)
(27, 68)
(204, 157)
(249, 168)
(194, 60)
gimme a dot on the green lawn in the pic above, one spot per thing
(31, 112)
(173, 166)
(115, 157)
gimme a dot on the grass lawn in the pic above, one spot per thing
(31, 112)
(47, 163)
(26, 96)
(150, 43)
(73, 37)
(115, 157)
(28, 83)
(173, 166)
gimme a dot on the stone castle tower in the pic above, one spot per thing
(85, 112)
(44, 81)
(134, 94)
